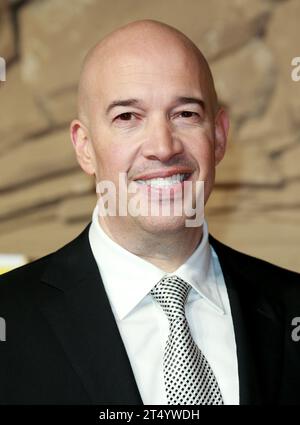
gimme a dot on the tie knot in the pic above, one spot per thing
(171, 293)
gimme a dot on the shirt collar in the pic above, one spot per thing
(127, 278)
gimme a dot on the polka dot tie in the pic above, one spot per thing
(188, 376)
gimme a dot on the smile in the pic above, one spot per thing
(163, 182)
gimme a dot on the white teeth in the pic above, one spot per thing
(164, 181)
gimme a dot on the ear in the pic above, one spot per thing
(221, 134)
(83, 146)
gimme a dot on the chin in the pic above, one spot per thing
(162, 225)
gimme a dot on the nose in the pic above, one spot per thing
(161, 143)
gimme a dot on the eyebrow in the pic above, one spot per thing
(180, 100)
(125, 102)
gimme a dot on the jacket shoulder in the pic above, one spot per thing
(26, 277)
(255, 269)
(26, 272)
(19, 288)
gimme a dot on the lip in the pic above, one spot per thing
(170, 193)
(163, 173)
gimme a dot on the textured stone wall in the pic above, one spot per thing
(45, 199)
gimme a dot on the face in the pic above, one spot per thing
(149, 116)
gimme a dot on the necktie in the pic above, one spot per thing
(188, 376)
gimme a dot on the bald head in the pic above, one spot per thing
(147, 38)
(148, 110)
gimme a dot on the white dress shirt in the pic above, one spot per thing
(143, 325)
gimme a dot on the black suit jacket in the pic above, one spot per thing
(63, 345)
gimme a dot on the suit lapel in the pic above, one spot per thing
(80, 315)
(258, 328)
(248, 385)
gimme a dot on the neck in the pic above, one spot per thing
(167, 251)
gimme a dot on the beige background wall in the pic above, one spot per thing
(45, 200)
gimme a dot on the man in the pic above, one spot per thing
(143, 308)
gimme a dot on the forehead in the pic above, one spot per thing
(156, 72)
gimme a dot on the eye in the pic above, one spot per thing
(125, 116)
(188, 114)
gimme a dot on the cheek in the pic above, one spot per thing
(204, 155)
(112, 160)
